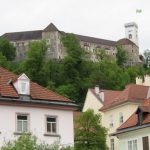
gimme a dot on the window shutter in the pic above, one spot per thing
(145, 143)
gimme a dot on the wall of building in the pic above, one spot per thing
(132, 135)
(92, 102)
(127, 110)
(37, 124)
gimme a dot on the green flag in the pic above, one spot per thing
(138, 10)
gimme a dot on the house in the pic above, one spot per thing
(56, 50)
(134, 134)
(115, 107)
(26, 107)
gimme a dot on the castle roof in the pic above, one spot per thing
(37, 34)
(50, 27)
(125, 41)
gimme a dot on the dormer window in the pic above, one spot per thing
(22, 85)
(23, 88)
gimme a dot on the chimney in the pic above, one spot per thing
(97, 90)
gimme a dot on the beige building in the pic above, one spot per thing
(134, 134)
(56, 50)
(115, 107)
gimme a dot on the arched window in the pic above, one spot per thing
(130, 36)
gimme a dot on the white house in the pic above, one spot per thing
(134, 134)
(26, 107)
(115, 107)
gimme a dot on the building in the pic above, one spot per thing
(26, 107)
(115, 107)
(56, 49)
(134, 134)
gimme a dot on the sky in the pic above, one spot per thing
(98, 18)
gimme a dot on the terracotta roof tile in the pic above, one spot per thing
(132, 93)
(133, 120)
(36, 91)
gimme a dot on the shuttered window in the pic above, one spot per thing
(145, 143)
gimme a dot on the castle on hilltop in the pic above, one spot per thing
(56, 50)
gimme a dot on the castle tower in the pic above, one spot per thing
(131, 32)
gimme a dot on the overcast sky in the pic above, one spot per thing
(99, 18)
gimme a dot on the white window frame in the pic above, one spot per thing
(132, 146)
(111, 121)
(49, 116)
(112, 144)
(21, 87)
(28, 122)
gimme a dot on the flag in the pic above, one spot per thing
(138, 10)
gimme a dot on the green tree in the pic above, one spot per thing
(121, 56)
(74, 65)
(100, 54)
(34, 63)
(90, 133)
(7, 49)
(108, 75)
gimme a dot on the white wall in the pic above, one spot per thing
(127, 110)
(137, 134)
(37, 124)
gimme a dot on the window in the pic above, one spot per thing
(132, 145)
(22, 123)
(23, 88)
(51, 125)
(120, 118)
(112, 144)
(110, 121)
(130, 36)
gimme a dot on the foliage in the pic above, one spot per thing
(100, 54)
(89, 132)
(35, 61)
(121, 56)
(108, 75)
(73, 75)
(7, 49)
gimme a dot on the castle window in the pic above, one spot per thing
(130, 36)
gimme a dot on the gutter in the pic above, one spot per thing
(69, 104)
(130, 129)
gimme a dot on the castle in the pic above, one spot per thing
(56, 50)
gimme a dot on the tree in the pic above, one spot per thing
(108, 75)
(34, 63)
(89, 132)
(100, 54)
(7, 49)
(121, 56)
(74, 65)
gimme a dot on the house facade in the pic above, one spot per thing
(26, 107)
(116, 107)
(134, 134)
(56, 50)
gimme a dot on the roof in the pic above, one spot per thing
(109, 95)
(125, 41)
(96, 40)
(133, 120)
(50, 27)
(23, 36)
(132, 93)
(36, 91)
(29, 35)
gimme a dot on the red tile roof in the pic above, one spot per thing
(132, 93)
(133, 120)
(36, 91)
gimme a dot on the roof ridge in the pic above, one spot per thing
(21, 32)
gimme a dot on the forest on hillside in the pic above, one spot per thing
(73, 75)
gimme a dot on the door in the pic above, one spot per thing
(145, 143)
